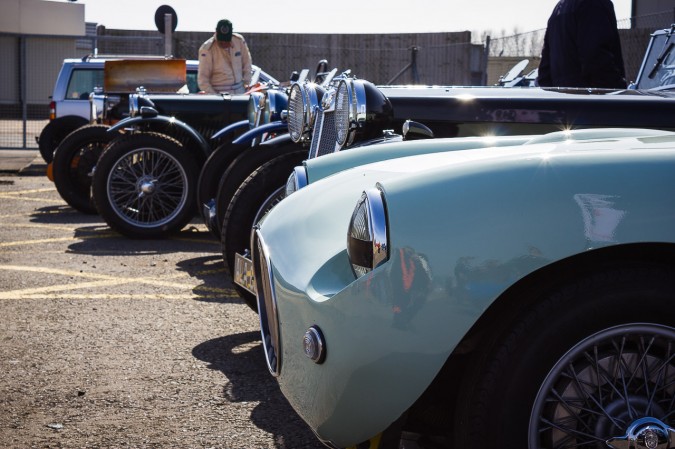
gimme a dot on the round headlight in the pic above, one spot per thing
(255, 101)
(350, 110)
(303, 102)
(367, 238)
(134, 108)
(297, 180)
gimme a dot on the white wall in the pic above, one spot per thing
(42, 17)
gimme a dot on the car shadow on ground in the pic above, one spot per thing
(215, 286)
(62, 214)
(240, 358)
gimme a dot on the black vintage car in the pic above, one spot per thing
(351, 112)
(175, 132)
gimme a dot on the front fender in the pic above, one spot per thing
(464, 227)
(250, 135)
(231, 128)
(172, 122)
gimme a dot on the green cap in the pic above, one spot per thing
(224, 30)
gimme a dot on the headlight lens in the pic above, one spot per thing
(297, 180)
(303, 102)
(367, 238)
(350, 109)
(255, 101)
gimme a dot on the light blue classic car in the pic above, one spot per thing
(512, 297)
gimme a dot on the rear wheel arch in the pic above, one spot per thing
(648, 268)
(556, 275)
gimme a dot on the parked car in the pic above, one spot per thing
(372, 113)
(519, 296)
(69, 107)
(77, 153)
(145, 181)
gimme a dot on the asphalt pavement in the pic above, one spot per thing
(22, 162)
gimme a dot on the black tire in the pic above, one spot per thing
(73, 164)
(240, 168)
(144, 185)
(259, 192)
(54, 132)
(577, 368)
(209, 178)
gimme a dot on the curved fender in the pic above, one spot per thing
(232, 127)
(248, 136)
(279, 140)
(135, 121)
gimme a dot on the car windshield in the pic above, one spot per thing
(82, 83)
(658, 69)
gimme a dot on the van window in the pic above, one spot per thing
(192, 81)
(82, 83)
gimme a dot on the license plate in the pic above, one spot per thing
(243, 273)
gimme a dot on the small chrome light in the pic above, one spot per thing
(297, 180)
(367, 238)
(134, 108)
(313, 345)
(255, 101)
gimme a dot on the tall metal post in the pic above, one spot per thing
(168, 35)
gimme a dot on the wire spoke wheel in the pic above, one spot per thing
(148, 187)
(616, 379)
(144, 185)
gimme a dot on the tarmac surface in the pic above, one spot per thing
(22, 162)
(109, 342)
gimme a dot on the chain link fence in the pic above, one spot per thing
(32, 62)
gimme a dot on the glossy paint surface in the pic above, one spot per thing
(464, 226)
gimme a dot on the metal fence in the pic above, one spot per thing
(32, 62)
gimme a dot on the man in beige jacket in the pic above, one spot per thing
(224, 62)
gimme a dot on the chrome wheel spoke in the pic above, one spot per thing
(606, 385)
(148, 187)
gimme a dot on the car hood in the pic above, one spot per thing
(322, 210)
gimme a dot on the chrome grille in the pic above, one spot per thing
(318, 126)
(324, 136)
(267, 305)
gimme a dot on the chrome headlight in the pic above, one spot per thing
(255, 102)
(303, 102)
(367, 238)
(350, 109)
(275, 102)
(97, 105)
(297, 180)
(134, 108)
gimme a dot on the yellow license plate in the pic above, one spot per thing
(243, 273)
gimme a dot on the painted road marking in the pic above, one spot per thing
(101, 280)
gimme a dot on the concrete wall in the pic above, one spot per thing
(42, 17)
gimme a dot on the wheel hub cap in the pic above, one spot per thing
(647, 433)
(146, 186)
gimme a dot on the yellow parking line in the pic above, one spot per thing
(21, 192)
(120, 296)
(55, 288)
(103, 280)
(25, 198)
(40, 226)
(32, 242)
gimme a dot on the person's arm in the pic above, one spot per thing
(204, 72)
